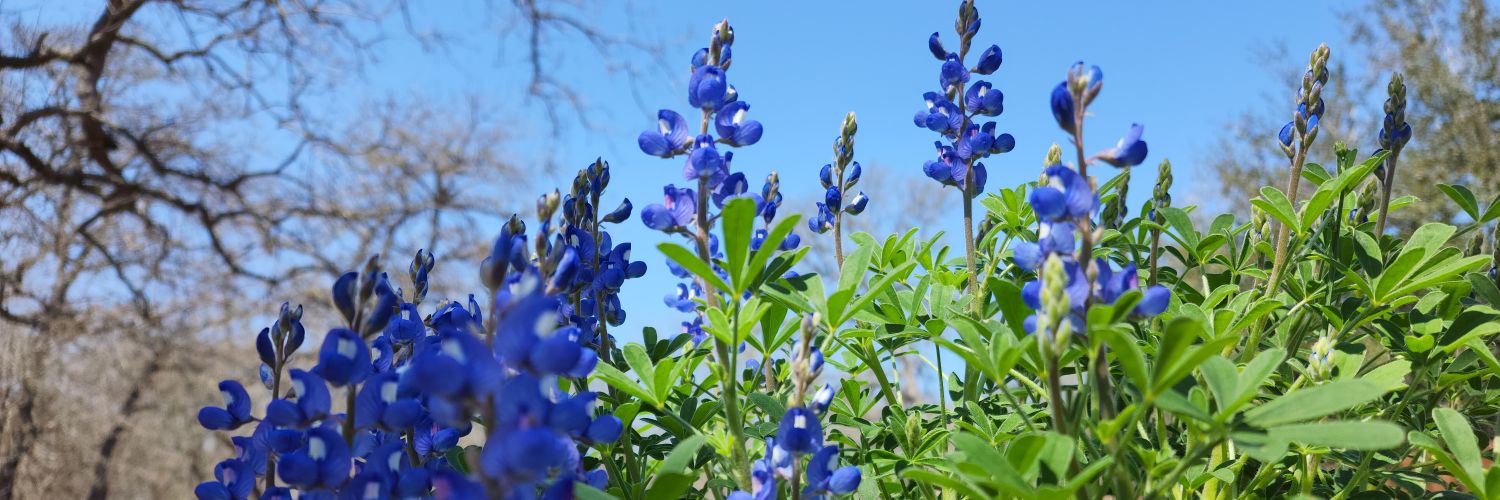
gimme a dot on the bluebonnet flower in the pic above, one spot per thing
(1394, 131)
(1066, 195)
(983, 99)
(957, 162)
(684, 299)
(344, 358)
(822, 222)
(825, 476)
(940, 115)
(1129, 152)
(670, 136)
(705, 162)
(321, 462)
(731, 124)
(236, 410)
(385, 403)
(707, 87)
(1062, 108)
(823, 398)
(675, 213)
(1310, 105)
(307, 403)
(857, 204)
(953, 73)
(800, 432)
(989, 61)
(233, 480)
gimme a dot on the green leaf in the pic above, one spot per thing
(1275, 204)
(1316, 206)
(1462, 196)
(583, 491)
(739, 226)
(1459, 437)
(767, 404)
(1222, 378)
(640, 363)
(617, 379)
(1430, 277)
(1390, 376)
(772, 244)
(875, 290)
(685, 258)
(1182, 224)
(1307, 404)
(1429, 237)
(1349, 435)
(946, 482)
(854, 268)
(681, 455)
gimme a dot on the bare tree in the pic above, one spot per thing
(167, 165)
(1446, 50)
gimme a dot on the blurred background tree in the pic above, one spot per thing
(168, 165)
(1447, 50)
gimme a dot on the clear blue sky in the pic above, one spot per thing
(1181, 68)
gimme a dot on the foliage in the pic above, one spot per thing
(1322, 358)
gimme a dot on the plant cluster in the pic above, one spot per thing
(1304, 351)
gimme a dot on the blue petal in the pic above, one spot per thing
(1062, 106)
(844, 481)
(1154, 301)
(1031, 294)
(1048, 203)
(654, 144)
(214, 418)
(1027, 255)
(935, 45)
(605, 429)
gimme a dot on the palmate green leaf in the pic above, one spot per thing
(1348, 435)
(979, 452)
(1275, 204)
(1255, 374)
(617, 379)
(875, 289)
(1314, 402)
(1397, 272)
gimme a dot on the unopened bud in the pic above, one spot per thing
(1054, 156)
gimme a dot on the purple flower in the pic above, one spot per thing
(676, 212)
(707, 87)
(1129, 152)
(989, 61)
(731, 124)
(800, 433)
(982, 98)
(236, 410)
(670, 136)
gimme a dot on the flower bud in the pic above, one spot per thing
(1054, 156)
